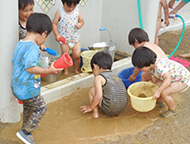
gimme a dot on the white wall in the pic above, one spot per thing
(9, 107)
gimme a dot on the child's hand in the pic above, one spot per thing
(132, 78)
(171, 3)
(78, 25)
(57, 38)
(42, 47)
(166, 22)
(156, 95)
(173, 12)
(53, 70)
(85, 109)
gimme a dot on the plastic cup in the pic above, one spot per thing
(63, 62)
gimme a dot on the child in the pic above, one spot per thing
(109, 91)
(138, 37)
(69, 20)
(26, 81)
(163, 4)
(25, 10)
(170, 76)
(178, 7)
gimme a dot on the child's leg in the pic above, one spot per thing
(156, 41)
(65, 49)
(91, 96)
(172, 88)
(76, 56)
(26, 112)
(39, 108)
(165, 95)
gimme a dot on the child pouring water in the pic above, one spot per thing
(109, 92)
(170, 76)
(26, 80)
(69, 21)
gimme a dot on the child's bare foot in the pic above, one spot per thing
(77, 72)
(65, 71)
(95, 114)
(185, 55)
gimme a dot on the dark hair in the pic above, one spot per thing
(139, 34)
(24, 3)
(143, 57)
(39, 23)
(69, 2)
(102, 59)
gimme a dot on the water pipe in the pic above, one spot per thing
(171, 16)
(139, 12)
(182, 33)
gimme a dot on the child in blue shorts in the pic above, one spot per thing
(26, 82)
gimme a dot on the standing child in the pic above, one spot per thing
(178, 7)
(69, 21)
(26, 73)
(138, 37)
(25, 10)
(170, 76)
(163, 4)
(109, 91)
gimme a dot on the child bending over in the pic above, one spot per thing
(109, 92)
(138, 37)
(170, 76)
(26, 80)
(69, 21)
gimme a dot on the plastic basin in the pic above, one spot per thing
(141, 96)
(126, 73)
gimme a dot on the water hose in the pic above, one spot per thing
(182, 33)
(139, 12)
(171, 16)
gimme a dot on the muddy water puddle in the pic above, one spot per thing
(63, 123)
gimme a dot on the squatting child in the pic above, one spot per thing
(109, 92)
(69, 21)
(138, 37)
(170, 76)
(26, 73)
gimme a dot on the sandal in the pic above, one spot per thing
(168, 113)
